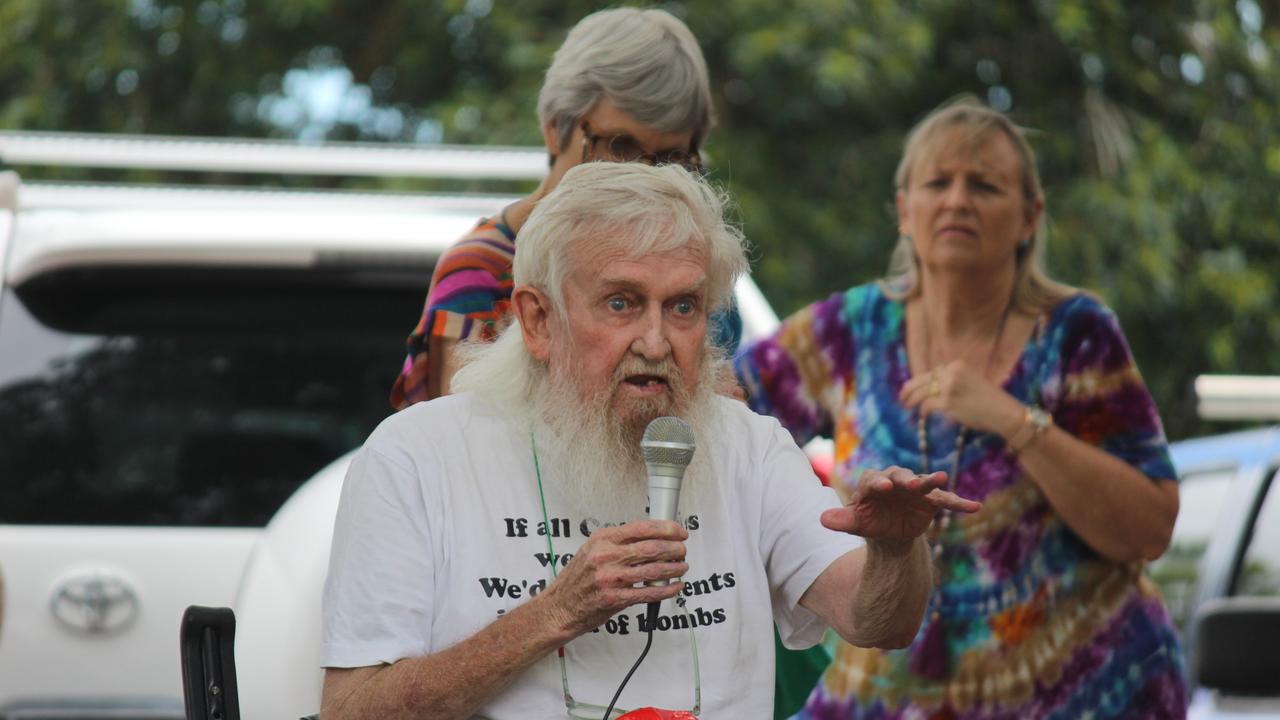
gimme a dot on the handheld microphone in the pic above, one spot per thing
(667, 447)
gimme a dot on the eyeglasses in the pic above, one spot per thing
(588, 711)
(624, 148)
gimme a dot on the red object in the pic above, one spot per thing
(649, 713)
(822, 464)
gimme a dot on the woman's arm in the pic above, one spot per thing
(1110, 504)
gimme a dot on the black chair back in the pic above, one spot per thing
(207, 643)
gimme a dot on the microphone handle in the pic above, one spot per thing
(664, 496)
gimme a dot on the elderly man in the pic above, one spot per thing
(487, 560)
(626, 85)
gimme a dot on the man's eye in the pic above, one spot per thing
(617, 304)
(685, 307)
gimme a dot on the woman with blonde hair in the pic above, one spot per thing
(969, 359)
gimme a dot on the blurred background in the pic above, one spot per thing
(1155, 123)
(177, 433)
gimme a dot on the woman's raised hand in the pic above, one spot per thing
(960, 392)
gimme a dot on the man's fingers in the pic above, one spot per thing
(899, 474)
(648, 551)
(947, 500)
(636, 574)
(637, 530)
(653, 593)
(933, 481)
(902, 478)
(841, 519)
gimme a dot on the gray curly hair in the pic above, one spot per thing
(644, 61)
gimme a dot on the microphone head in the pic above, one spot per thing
(668, 441)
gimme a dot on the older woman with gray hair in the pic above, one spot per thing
(627, 85)
(969, 359)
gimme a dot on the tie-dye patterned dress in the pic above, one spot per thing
(1027, 621)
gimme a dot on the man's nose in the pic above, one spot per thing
(651, 339)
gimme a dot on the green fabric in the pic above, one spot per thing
(795, 674)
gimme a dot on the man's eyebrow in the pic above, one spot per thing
(614, 284)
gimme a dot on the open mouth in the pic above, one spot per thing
(646, 382)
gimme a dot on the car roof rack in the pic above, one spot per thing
(160, 152)
(71, 221)
(1238, 397)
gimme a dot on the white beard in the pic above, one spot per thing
(589, 459)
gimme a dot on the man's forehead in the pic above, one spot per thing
(619, 265)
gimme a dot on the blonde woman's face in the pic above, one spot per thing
(963, 206)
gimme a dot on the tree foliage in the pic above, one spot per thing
(1155, 123)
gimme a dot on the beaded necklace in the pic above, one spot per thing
(930, 657)
(962, 434)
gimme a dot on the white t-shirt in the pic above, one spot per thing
(440, 531)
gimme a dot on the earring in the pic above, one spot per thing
(1023, 246)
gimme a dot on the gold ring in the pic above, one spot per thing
(934, 390)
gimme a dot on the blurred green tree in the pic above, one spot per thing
(1156, 124)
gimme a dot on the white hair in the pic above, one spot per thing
(592, 456)
(634, 209)
(644, 61)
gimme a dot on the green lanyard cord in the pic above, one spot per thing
(546, 521)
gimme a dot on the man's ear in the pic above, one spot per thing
(532, 308)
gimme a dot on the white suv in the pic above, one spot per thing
(184, 372)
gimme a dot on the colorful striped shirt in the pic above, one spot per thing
(469, 297)
(1027, 620)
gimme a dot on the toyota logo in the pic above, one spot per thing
(94, 602)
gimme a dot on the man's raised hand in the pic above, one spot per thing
(895, 504)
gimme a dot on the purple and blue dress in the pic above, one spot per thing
(1027, 621)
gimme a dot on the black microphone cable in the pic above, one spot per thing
(668, 447)
(651, 616)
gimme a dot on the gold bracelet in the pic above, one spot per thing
(1012, 442)
(1040, 422)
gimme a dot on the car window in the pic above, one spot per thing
(184, 397)
(1202, 496)
(1260, 568)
